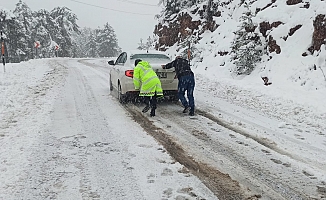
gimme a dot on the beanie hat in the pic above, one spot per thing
(137, 61)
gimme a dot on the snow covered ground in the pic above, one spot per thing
(61, 141)
(63, 136)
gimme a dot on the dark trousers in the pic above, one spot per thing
(187, 83)
(151, 101)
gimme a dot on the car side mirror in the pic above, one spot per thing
(111, 62)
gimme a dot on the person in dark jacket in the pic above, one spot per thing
(186, 83)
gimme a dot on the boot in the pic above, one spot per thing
(147, 103)
(146, 109)
(152, 112)
(192, 112)
(187, 108)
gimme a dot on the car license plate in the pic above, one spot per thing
(161, 74)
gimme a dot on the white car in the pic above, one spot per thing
(121, 74)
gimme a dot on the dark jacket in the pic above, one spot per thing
(182, 67)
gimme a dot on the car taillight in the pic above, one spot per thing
(129, 73)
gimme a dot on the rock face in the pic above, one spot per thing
(319, 35)
(293, 2)
(183, 25)
(176, 31)
(294, 29)
(272, 45)
(265, 26)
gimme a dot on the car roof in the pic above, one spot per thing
(132, 52)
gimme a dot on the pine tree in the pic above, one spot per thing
(107, 42)
(15, 39)
(141, 45)
(187, 47)
(80, 42)
(91, 46)
(172, 7)
(67, 22)
(13, 33)
(40, 32)
(51, 35)
(25, 17)
(247, 46)
(150, 44)
(58, 27)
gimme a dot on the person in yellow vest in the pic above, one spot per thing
(149, 85)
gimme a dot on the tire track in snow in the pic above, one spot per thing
(274, 187)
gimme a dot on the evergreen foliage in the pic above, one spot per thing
(107, 42)
(150, 44)
(141, 45)
(91, 45)
(81, 41)
(187, 47)
(172, 7)
(247, 47)
(58, 27)
(67, 22)
(25, 16)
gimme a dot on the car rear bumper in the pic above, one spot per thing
(168, 89)
(165, 93)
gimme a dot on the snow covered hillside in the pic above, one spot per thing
(293, 34)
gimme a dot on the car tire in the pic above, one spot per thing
(121, 97)
(174, 98)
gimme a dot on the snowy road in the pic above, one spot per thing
(64, 136)
(244, 142)
(257, 164)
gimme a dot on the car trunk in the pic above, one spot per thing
(166, 76)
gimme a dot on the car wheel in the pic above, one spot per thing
(174, 98)
(122, 98)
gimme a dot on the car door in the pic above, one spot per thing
(114, 73)
(119, 71)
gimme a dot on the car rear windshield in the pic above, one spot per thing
(159, 58)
